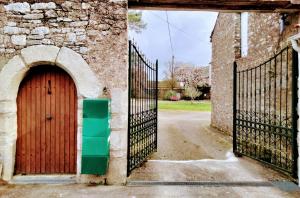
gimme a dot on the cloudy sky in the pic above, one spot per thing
(190, 34)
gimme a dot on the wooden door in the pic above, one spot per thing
(47, 123)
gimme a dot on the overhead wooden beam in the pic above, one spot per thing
(215, 5)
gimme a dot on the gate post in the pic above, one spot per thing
(234, 109)
(296, 47)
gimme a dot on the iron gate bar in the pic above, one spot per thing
(265, 124)
(142, 108)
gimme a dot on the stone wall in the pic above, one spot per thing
(264, 40)
(97, 30)
(225, 49)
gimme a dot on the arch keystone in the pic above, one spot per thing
(39, 54)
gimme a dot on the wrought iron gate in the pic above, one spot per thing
(265, 111)
(142, 108)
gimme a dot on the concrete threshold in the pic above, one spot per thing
(43, 179)
(202, 183)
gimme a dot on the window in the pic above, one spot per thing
(244, 34)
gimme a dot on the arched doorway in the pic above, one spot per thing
(47, 122)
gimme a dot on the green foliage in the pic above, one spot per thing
(136, 22)
(192, 92)
(170, 94)
(185, 105)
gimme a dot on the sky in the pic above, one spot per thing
(190, 34)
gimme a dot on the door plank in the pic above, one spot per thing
(28, 132)
(32, 125)
(67, 127)
(48, 129)
(72, 122)
(43, 123)
(62, 128)
(57, 121)
(52, 121)
(38, 124)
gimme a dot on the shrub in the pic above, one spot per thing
(192, 92)
(171, 95)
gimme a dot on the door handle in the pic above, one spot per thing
(49, 117)
(49, 87)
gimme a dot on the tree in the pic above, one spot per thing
(170, 77)
(192, 92)
(191, 75)
(136, 22)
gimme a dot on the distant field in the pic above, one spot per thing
(185, 105)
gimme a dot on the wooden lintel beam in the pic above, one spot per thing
(229, 5)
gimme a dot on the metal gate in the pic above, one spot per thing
(142, 108)
(265, 111)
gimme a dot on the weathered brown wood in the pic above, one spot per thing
(47, 123)
(43, 123)
(221, 5)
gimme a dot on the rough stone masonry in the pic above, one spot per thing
(97, 30)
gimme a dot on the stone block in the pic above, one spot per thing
(85, 6)
(71, 37)
(43, 6)
(36, 37)
(39, 54)
(10, 78)
(18, 40)
(18, 7)
(11, 24)
(50, 14)
(117, 171)
(40, 30)
(83, 50)
(15, 30)
(119, 100)
(8, 124)
(7, 107)
(118, 142)
(78, 23)
(33, 16)
(34, 42)
(86, 81)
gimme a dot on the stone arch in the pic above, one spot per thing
(13, 73)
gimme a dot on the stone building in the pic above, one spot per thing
(88, 40)
(79, 49)
(266, 34)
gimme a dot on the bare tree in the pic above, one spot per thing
(170, 77)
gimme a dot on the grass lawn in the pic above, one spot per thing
(203, 105)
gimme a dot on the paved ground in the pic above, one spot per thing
(190, 152)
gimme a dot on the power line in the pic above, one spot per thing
(171, 44)
(187, 35)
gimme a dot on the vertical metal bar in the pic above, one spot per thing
(251, 115)
(255, 114)
(260, 110)
(280, 109)
(265, 98)
(286, 108)
(294, 112)
(246, 115)
(129, 109)
(156, 102)
(234, 107)
(238, 132)
(274, 113)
